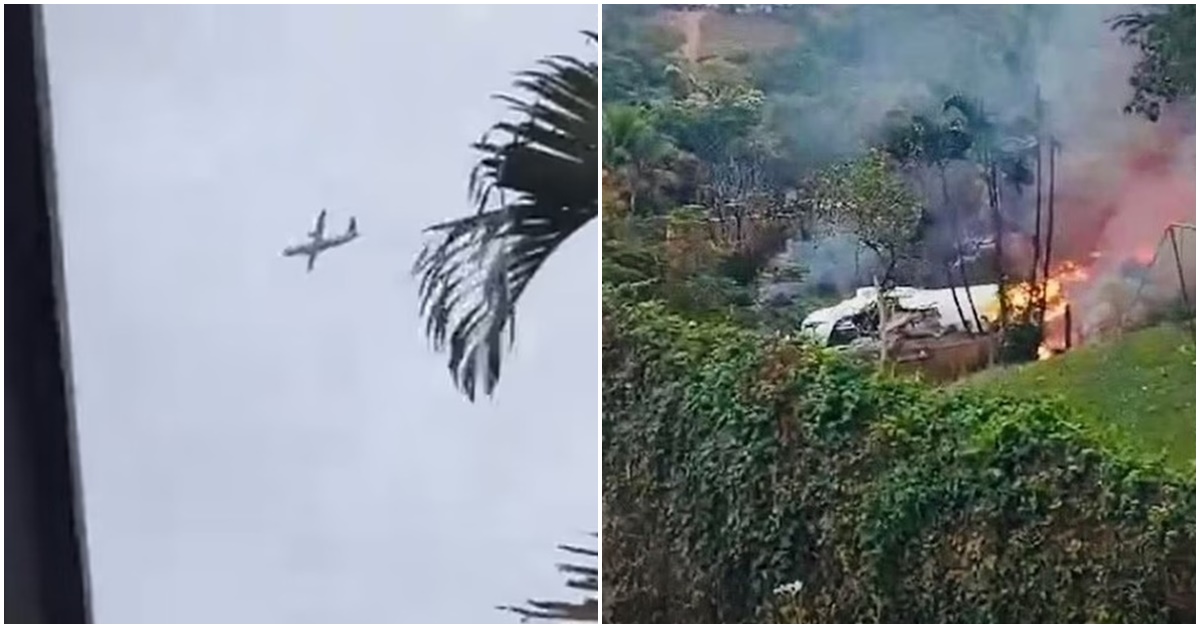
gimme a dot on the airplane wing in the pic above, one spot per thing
(312, 259)
(319, 230)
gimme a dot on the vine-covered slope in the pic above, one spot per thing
(736, 464)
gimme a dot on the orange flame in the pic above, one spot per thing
(1022, 298)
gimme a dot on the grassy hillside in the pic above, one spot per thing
(1143, 383)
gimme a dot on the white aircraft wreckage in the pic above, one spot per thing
(319, 242)
(926, 312)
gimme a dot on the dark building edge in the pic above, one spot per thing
(44, 565)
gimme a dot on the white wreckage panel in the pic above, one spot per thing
(821, 324)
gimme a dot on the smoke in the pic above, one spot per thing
(1120, 180)
(825, 263)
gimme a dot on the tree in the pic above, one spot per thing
(711, 120)
(934, 142)
(1002, 153)
(869, 199)
(636, 151)
(1166, 72)
(533, 187)
(636, 53)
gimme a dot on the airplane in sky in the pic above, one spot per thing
(319, 242)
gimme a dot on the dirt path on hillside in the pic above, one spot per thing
(689, 24)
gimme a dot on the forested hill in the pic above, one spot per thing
(827, 73)
(758, 111)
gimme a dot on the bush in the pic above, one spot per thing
(1021, 342)
(736, 463)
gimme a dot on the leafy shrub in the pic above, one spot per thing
(735, 463)
(1021, 342)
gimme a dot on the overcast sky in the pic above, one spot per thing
(264, 445)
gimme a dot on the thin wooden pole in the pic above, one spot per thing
(1049, 235)
(1037, 182)
(1187, 302)
(882, 325)
(1067, 321)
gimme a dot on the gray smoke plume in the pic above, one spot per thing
(1120, 179)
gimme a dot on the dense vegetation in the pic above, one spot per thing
(735, 464)
(754, 140)
(752, 477)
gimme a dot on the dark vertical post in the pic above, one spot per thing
(1049, 231)
(1187, 302)
(1037, 215)
(1067, 322)
(44, 569)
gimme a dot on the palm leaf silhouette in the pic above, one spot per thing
(580, 578)
(533, 187)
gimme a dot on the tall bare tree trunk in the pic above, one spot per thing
(1037, 214)
(962, 267)
(1049, 232)
(998, 238)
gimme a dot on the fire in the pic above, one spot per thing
(1113, 196)
(1023, 298)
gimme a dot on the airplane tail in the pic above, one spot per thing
(353, 230)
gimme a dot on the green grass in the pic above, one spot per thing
(1143, 384)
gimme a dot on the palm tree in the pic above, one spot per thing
(542, 175)
(980, 135)
(934, 142)
(636, 151)
(533, 187)
(1003, 152)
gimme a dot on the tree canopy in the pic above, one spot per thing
(1166, 72)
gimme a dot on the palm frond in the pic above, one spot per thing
(533, 187)
(581, 578)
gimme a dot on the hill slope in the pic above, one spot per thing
(1143, 384)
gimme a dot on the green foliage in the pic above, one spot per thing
(867, 198)
(1166, 37)
(735, 463)
(927, 139)
(629, 137)
(711, 123)
(631, 261)
(635, 266)
(637, 152)
(637, 53)
(1021, 342)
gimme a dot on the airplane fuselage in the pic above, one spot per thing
(318, 245)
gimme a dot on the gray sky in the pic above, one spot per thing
(260, 444)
